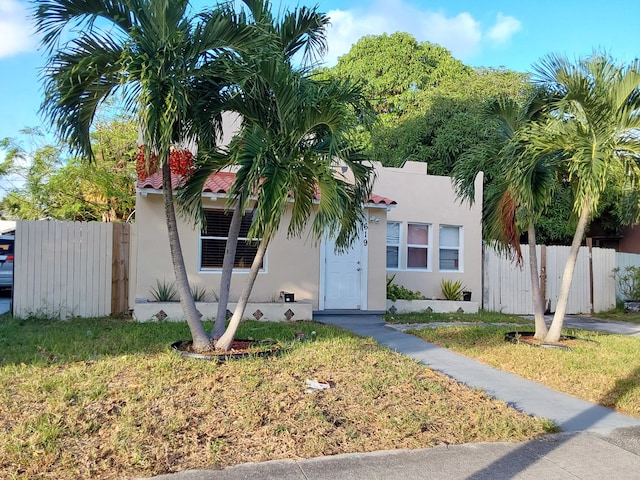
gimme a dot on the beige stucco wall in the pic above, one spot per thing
(430, 199)
(291, 265)
(377, 260)
(294, 265)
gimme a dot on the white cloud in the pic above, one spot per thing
(460, 33)
(15, 28)
(504, 28)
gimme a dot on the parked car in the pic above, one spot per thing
(6, 261)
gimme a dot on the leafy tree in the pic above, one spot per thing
(593, 123)
(394, 67)
(443, 123)
(163, 60)
(70, 188)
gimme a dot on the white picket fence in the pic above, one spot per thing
(70, 269)
(507, 287)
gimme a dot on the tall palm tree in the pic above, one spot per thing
(519, 193)
(163, 60)
(300, 33)
(594, 124)
(293, 138)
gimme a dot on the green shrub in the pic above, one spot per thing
(199, 294)
(164, 291)
(452, 290)
(398, 292)
(628, 282)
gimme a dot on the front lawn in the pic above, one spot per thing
(619, 315)
(106, 398)
(604, 369)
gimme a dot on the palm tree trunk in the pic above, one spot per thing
(538, 301)
(198, 333)
(224, 343)
(558, 319)
(227, 270)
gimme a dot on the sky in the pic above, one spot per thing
(487, 33)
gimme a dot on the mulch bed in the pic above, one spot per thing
(240, 348)
(566, 342)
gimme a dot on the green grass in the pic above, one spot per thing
(481, 317)
(604, 369)
(106, 398)
(619, 315)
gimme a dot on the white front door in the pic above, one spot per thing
(345, 276)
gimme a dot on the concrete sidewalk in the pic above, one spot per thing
(596, 442)
(584, 456)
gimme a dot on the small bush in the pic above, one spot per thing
(164, 291)
(452, 290)
(628, 281)
(398, 292)
(199, 294)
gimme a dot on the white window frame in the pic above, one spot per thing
(398, 245)
(428, 246)
(457, 248)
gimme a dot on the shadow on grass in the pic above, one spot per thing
(45, 341)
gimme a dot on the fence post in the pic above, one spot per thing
(591, 296)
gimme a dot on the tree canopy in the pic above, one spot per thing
(57, 186)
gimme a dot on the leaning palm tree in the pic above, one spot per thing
(293, 138)
(162, 60)
(594, 124)
(520, 192)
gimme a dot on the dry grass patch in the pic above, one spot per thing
(604, 370)
(148, 412)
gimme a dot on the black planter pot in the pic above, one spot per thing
(183, 348)
(466, 296)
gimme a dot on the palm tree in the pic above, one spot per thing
(162, 60)
(301, 31)
(520, 191)
(594, 124)
(293, 138)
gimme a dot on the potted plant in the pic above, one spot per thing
(453, 290)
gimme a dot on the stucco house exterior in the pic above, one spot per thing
(416, 230)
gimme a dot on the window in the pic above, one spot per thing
(418, 245)
(213, 241)
(450, 248)
(393, 245)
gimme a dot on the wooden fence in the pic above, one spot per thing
(507, 287)
(70, 269)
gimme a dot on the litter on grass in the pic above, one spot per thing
(314, 386)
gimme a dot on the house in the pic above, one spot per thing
(416, 230)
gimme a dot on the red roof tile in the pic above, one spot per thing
(221, 182)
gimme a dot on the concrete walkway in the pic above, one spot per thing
(596, 442)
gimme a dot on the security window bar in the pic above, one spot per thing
(213, 241)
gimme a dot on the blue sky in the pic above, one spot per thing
(491, 33)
